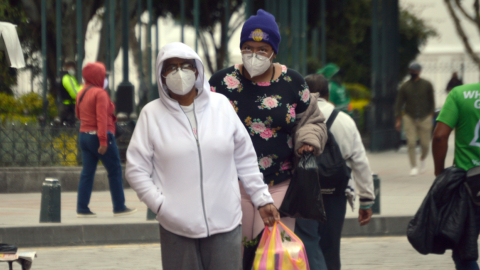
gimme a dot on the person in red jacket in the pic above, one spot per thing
(95, 111)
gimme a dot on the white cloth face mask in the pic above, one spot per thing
(71, 71)
(256, 64)
(181, 82)
(105, 83)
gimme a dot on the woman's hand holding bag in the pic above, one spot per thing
(281, 249)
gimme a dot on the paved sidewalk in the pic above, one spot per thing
(401, 195)
(379, 253)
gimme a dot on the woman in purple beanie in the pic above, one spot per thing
(272, 102)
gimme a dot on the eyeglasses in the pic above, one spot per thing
(174, 68)
(260, 55)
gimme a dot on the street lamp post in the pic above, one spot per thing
(125, 91)
(44, 58)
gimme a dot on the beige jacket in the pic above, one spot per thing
(311, 128)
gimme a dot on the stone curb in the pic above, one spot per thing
(30, 179)
(112, 234)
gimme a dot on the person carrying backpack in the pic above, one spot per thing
(344, 153)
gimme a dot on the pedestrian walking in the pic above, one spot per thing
(454, 82)
(97, 128)
(460, 112)
(272, 101)
(416, 98)
(348, 138)
(338, 93)
(184, 160)
(68, 89)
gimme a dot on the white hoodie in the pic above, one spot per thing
(193, 185)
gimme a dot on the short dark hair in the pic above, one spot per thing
(318, 84)
(70, 64)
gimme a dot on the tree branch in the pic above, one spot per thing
(476, 7)
(462, 34)
(205, 46)
(460, 7)
(235, 27)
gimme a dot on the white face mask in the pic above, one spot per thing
(255, 64)
(71, 71)
(105, 83)
(181, 82)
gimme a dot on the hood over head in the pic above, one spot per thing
(329, 70)
(180, 50)
(94, 74)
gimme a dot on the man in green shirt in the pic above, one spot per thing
(417, 97)
(461, 112)
(68, 90)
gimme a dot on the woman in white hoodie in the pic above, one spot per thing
(184, 160)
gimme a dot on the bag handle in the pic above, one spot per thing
(81, 97)
(84, 92)
(332, 117)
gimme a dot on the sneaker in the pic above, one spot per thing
(86, 215)
(414, 171)
(423, 167)
(127, 211)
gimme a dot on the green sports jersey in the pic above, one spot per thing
(461, 112)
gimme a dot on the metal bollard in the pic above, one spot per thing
(150, 214)
(376, 185)
(50, 207)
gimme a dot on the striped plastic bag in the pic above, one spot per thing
(280, 249)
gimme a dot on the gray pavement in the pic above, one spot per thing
(401, 195)
(380, 253)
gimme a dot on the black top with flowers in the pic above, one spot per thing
(268, 110)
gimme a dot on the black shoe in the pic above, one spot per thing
(127, 211)
(86, 215)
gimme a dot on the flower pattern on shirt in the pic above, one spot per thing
(213, 89)
(267, 161)
(285, 166)
(290, 141)
(269, 113)
(305, 93)
(269, 102)
(232, 83)
(263, 129)
(291, 113)
(235, 105)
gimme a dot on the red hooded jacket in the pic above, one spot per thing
(96, 111)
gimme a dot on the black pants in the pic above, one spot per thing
(331, 231)
(67, 114)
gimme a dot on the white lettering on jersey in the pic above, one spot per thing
(471, 94)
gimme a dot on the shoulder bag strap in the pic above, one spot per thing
(332, 118)
(84, 92)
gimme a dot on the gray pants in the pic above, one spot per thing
(217, 252)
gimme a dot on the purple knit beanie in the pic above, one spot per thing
(261, 27)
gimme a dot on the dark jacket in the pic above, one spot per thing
(446, 218)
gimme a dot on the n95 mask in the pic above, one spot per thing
(181, 82)
(256, 64)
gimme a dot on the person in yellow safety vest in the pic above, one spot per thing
(68, 90)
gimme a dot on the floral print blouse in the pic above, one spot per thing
(269, 111)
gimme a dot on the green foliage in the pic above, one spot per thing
(8, 103)
(358, 91)
(12, 13)
(414, 33)
(349, 37)
(250, 243)
(24, 109)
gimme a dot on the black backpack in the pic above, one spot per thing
(333, 172)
